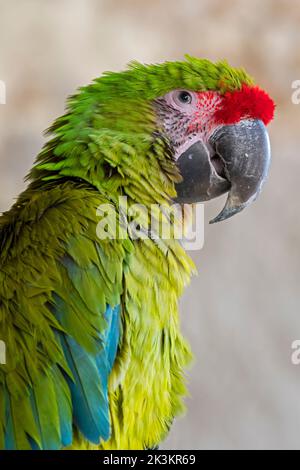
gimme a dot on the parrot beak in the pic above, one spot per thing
(236, 160)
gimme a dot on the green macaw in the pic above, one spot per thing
(94, 353)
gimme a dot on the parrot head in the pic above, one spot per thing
(204, 122)
(220, 144)
(219, 141)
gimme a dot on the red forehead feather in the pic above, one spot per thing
(248, 102)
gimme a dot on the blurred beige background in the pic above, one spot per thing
(242, 312)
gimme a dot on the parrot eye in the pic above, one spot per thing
(184, 97)
(182, 100)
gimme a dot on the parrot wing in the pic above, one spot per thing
(60, 291)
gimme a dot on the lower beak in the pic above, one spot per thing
(236, 161)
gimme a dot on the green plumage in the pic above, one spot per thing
(57, 277)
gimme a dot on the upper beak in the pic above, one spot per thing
(236, 160)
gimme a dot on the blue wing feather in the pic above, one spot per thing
(88, 389)
(112, 316)
(89, 398)
(9, 440)
(65, 410)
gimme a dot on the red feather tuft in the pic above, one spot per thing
(248, 102)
